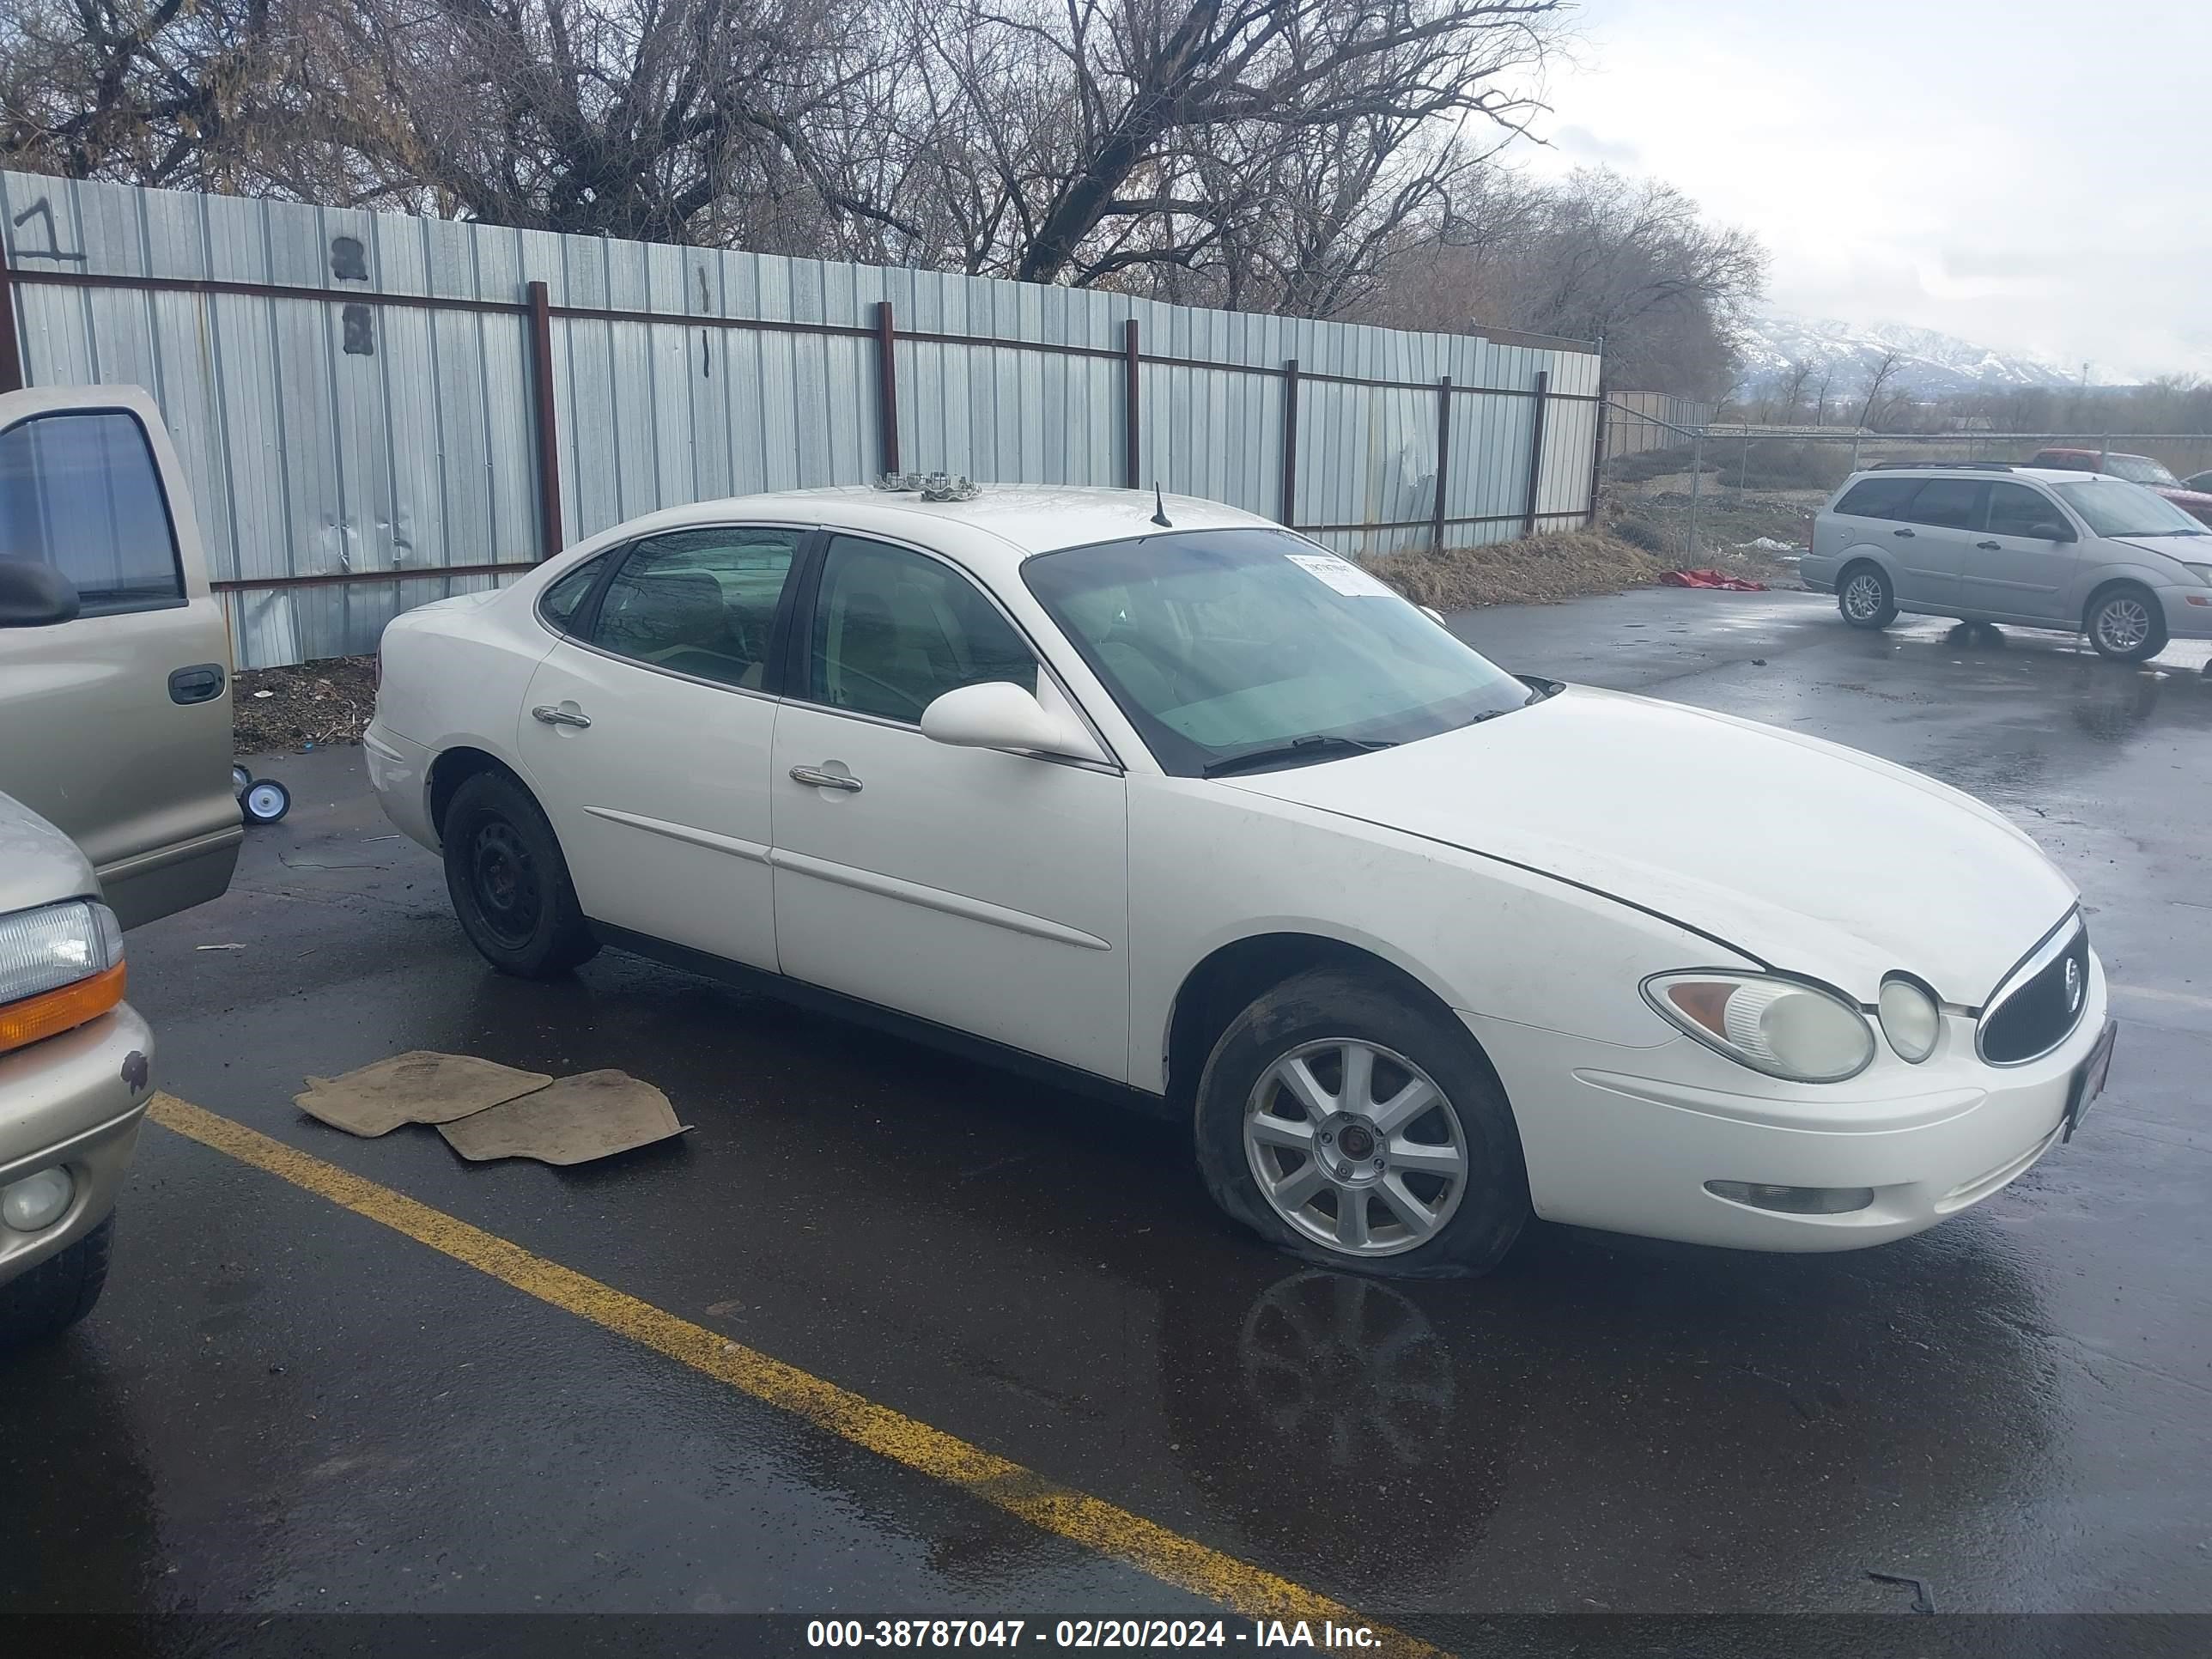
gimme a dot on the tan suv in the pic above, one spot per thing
(115, 661)
(115, 746)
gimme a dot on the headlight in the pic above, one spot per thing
(1777, 1026)
(60, 965)
(1911, 1019)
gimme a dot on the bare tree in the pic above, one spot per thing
(1879, 377)
(1084, 140)
(1793, 389)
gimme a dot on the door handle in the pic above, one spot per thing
(821, 780)
(1989, 547)
(1902, 531)
(552, 716)
(201, 682)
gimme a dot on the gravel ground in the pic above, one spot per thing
(295, 709)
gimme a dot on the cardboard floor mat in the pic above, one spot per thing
(420, 1086)
(592, 1114)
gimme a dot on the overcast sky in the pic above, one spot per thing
(2034, 176)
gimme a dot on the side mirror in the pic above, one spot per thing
(35, 595)
(999, 714)
(2051, 531)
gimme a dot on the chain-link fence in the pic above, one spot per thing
(1710, 491)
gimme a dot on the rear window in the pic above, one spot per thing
(1878, 498)
(79, 492)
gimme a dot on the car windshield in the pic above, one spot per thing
(2138, 469)
(1225, 646)
(2116, 508)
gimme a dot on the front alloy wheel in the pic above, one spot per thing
(2124, 627)
(1355, 1146)
(1350, 1118)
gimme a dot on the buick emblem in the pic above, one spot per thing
(2073, 986)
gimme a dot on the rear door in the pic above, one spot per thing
(115, 725)
(2016, 567)
(1930, 544)
(647, 733)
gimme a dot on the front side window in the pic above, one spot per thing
(2113, 506)
(1221, 645)
(699, 602)
(1946, 503)
(79, 491)
(2017, 510)
(893, 631)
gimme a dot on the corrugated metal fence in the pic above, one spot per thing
(379, 409)
(1637, 420)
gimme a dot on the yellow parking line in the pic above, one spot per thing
(1061, 1511)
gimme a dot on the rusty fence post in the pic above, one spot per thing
(1597, 454)
(11, 346)
(1444, 463)
(1290, 508)
(1131, 430)
(887, 385)
(550, 535)
(1536, 451)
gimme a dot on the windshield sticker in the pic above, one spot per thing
(1341, 574)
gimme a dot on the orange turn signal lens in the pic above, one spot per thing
(51, 1012)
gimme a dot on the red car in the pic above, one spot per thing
(2135, 469)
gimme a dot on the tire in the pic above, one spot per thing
(265, 801)
(1246, 1116)
(509, 884)
(57, 1293)
(1865, 598)
(2125, 624)
(240, 779)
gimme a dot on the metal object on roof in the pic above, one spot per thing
(931, 486)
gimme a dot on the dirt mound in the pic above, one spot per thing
(1539, 570)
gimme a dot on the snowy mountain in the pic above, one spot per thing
(1933, 364)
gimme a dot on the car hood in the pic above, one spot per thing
(2189, 549)
(39, 864)
(1805, 855)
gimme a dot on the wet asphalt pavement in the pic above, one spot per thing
(283, 1406)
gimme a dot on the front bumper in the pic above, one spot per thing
(1626, 1139)
(75, 1100)
(2188, 613)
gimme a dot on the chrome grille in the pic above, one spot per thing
(2040, 1002)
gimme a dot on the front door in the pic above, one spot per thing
(647, 735)
(982, 890)
(2016, 567)
(115, 726)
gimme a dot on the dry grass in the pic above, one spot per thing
(1569, 564)
(317, 703)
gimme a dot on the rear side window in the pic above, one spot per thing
(79, 491)
(1878, 498)
(559, 605)
(1946, 503)
(699, 602)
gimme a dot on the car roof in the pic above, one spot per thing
(1001, 526)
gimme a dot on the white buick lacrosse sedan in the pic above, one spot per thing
(1163, 798)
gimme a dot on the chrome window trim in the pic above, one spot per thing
(2052, 945)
